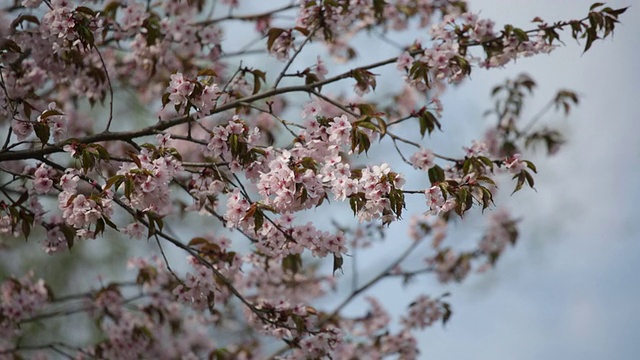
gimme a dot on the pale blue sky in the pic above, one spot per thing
(569, 290)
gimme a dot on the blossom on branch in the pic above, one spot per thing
(242, 182)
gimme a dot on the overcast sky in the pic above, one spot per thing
(569, 290)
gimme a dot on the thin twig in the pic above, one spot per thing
(294, 56)
(6, 141)
(250, 17)
(395, 144)
(281, 120)
(385, 273)
(163, 125)
(535, 119)
(104, 66)
(72, 311)
(166, 261)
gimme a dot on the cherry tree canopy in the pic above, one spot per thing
(128, 118)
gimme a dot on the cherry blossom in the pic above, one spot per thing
(423, 159)
(20, 299)
(514, 164)
(161, 121)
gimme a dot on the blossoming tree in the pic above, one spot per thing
(252, 149)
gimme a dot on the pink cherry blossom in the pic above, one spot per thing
(514, 164)
(149, 120)
(423, 159)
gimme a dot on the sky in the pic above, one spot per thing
(569, 289)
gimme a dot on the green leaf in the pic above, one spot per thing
(367, 125)
(258, 78)
(159, 222)
(396, 198)
(487, 197)
(464, 200)
(337, 262)
(198, 241)
(363, 142)
(366, 109)
(466, 166)
(28, 18)
(592, 36)
(308, 163)
(420, 71)
(220, 354)
(21, 199)
(531, 166)
(207, 72)
(110, 223)
(99, 227)
(300, 323)
(521, 35)
(26, 226)
(48, 113)
(311, 78)
(486, 161)
(304, 195)
(529, 178)
(378, 9)
(234, 144)
(302, 30)
(520, 183)
(114, 180)
(104, 154)
(293, 263)
(165, 99)
(11, 46)
(42, 132)
(353, 203)
(382, 125)
(85, 10)
(486, 179)
(88, 161)
(446, 314)
(436, 175)
(69, 234)
(128, 188)
(433, 121)
(258, 220)
(272, 35)
(463, 64)
(424, 125)
(428, 123)
(153, 221)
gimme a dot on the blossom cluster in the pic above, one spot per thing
(149, 176)
(20, 299)
(447, 57)
(423, 312)
(86, 86)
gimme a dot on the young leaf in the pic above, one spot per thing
(436, 175)
(258, 220)
(272, 35)
(42, 132)
(337, 262)
(69, 234)
(446, 314)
